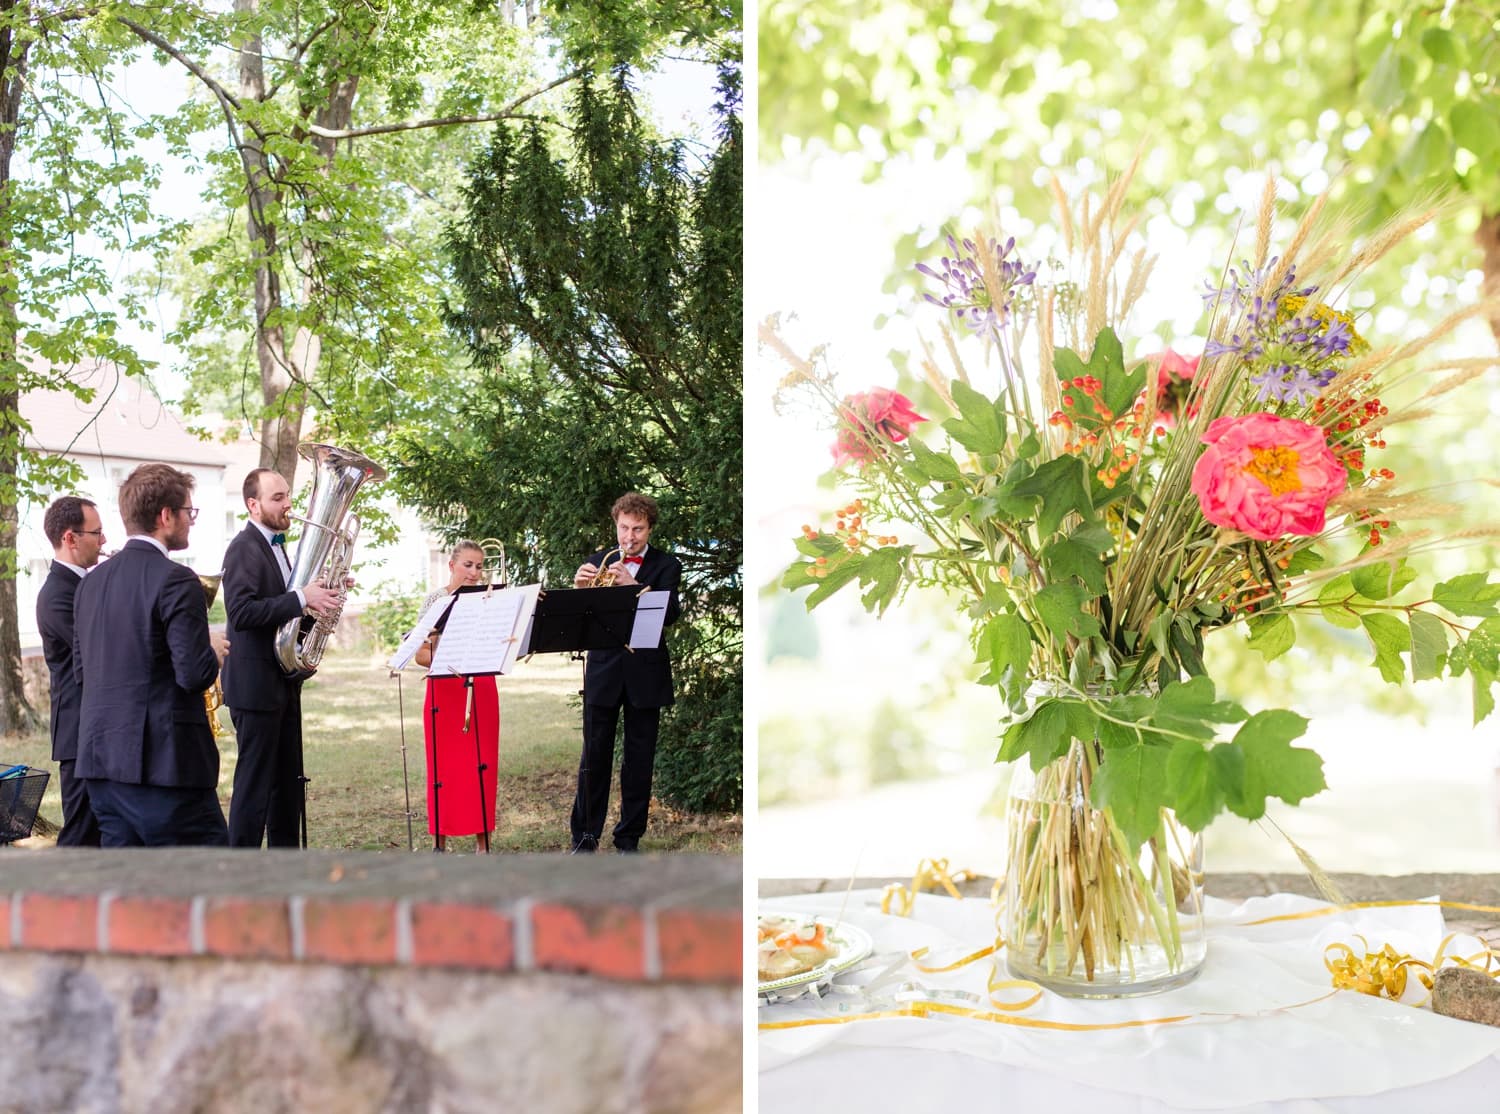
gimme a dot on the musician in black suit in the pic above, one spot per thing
(639, 684)
(144, 656)
(73, 527)
(265, 702)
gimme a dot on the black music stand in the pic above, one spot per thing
(571, 620)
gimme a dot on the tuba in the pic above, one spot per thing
(325, 548)
(605, 577)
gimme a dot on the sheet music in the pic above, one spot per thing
(483, 629)
(413, 641)
(650, 618)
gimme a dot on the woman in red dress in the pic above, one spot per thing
(461, 763)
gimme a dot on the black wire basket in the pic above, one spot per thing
(21, 789)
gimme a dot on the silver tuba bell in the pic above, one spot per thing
(326, 546)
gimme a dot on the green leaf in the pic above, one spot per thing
(1475, 127)
(1132, 785)
(1063, 488)
(1469, 594)
(882, 572)
(1077, 555)
(1004, 644)
(1442, 46)
(1429, 645)
(1189, 708)
(1390, 637)
(1060, 607)
(1159, 633)
(1385, 87)
(1337, 598)
(1383, 579)
(824, 545)
(935, 466)
(1271, 635)
(1428, 152)
(1193, 787)
(1121, 388)
(1273, 767)
(1043, 735)
(980, 426)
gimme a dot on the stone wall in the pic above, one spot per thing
(227, 981)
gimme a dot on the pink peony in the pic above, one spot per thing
(1266, 476)
(875, 413)
(1173, 375)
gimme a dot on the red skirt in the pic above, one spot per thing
(462, 804)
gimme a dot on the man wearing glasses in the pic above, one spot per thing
(72, 526)
(269, 801)
(143, 654)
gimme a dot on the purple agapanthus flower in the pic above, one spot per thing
(984, 311)
(1290, 383)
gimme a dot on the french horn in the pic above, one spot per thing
(213, 698)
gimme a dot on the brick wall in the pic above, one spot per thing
(630, 965)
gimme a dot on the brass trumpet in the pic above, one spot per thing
(213, 699)
(607, 574)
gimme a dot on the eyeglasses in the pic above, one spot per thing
(95, 533)
(191, 512)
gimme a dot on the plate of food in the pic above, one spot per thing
(796, 950)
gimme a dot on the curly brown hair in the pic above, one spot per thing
(65, 513)
(148, 491)
(633, 502)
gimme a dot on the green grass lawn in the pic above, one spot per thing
(353, 713)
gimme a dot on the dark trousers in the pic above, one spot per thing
(156, 815)
(80, 827)
(268, 790)
(596, 767)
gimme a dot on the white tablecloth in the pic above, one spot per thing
(1349, 1052)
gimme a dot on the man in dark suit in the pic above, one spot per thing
(72, 526)
(616, 680)
(143, 653)
(265, 702)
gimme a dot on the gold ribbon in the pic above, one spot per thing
(897, 900)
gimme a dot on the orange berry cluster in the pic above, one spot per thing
(1347, 417)
(1119, 438)
(849, 528)
(1252, 595)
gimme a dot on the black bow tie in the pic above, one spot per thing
(278, 539)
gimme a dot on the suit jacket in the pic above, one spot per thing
(645, 675)
(54, 619)
(257, 602)
(141, 652)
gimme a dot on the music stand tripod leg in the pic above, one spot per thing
(482, 838)
(432, 766)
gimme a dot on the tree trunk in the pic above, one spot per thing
(16, 713)
(1487, 235)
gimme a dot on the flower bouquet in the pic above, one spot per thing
(1096, 515)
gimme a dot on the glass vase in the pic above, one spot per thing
(1086, 915)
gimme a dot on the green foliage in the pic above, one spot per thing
(600, 284)
(1151, 753)
(391, 617)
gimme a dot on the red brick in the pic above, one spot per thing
(699, 946)
(151, 926)
(56, 923)
(599, 940)
(461, 936)
(349, 931)
(248, 928)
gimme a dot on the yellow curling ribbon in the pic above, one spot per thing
(898, 900)
(1383, 973)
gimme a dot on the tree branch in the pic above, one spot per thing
(508, 112)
